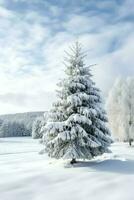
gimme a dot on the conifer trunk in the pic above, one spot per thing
(73, 161)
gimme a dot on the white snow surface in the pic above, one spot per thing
(27, 175)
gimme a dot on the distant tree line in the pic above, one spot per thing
(25, 124)
(13, 129)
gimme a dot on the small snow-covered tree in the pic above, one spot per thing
(120, 107)
(76, 128)
(36, 128)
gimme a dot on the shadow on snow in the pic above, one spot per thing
(110, 165)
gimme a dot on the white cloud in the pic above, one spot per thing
(126, 9)
(5, 12)
(79, 24)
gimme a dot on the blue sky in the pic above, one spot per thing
(35, 33)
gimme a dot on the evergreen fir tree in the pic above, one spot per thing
(76, 126)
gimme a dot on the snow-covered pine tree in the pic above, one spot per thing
(76, 126)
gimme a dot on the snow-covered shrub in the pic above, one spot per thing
(120, 107)
(76, 128)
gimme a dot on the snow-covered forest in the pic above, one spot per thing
(21, 124)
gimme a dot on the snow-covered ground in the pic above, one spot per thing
(27, 175)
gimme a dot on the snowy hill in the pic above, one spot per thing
(25, 174)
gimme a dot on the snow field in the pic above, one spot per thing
(27, 175)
